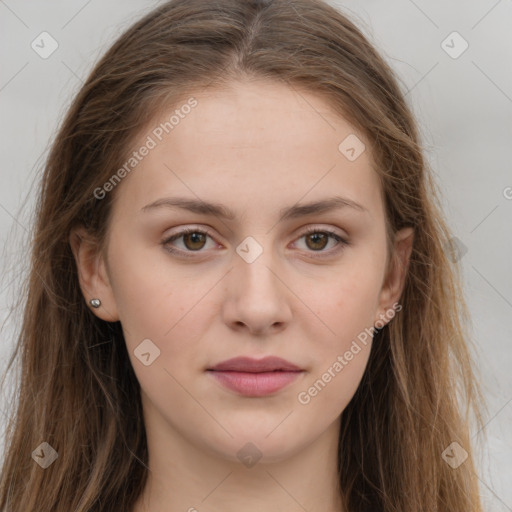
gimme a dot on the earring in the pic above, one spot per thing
(95, 303)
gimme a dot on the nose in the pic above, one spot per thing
(257, 300)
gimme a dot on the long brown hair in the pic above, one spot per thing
(78, 391)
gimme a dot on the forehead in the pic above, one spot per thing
(253, 143)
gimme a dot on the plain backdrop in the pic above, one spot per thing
(459, 87)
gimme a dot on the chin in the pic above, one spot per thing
(251, 444)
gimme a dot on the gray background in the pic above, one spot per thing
(463, 104)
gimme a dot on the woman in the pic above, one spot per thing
(239, 295)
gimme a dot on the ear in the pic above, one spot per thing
(92, 274)
(394, 281)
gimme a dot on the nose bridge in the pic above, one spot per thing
(255, 296)
(256, 270)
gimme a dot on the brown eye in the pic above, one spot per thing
(191, 240)
(318, 240)
(194, 240)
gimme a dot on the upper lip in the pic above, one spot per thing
(250, 365)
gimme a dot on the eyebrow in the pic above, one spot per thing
(287, 213)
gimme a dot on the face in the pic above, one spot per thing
(258, 274)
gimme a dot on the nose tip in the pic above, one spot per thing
(256, 297)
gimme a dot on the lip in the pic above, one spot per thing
(251, 365)
(255, 377)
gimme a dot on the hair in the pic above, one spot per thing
(78, 390)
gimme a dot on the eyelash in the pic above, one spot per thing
(342, 243)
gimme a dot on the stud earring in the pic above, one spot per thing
(95, 303)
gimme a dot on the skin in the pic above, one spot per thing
(256, 148)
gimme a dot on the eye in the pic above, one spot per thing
(316, 240)
(194, 239)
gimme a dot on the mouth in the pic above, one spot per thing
(255, 377)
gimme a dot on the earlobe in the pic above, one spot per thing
(92, 275)
(397, 272)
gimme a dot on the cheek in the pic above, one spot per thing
(168, 307)
(348, 307)
(348, 301)
(153, 299)
(326, 395)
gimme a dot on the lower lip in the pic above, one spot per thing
(255, 384)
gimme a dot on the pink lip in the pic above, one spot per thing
(255, 377)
